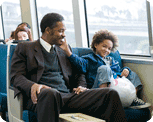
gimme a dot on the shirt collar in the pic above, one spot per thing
(45, 44)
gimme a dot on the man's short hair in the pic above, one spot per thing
(49, 20)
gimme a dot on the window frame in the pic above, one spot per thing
(2, 23)
(149, 28)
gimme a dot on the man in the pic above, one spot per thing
(49, 83)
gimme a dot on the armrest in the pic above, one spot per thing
(15, 106)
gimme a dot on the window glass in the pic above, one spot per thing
(59, 6)
(1, 28)
(11, 16)
(125, 18)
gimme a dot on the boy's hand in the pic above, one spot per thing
(79, 89)
(66, 48)
(125, 72)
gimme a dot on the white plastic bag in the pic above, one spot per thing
(125, 89)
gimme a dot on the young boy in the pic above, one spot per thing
(99, 67)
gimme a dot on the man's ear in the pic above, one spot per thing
(48, 30)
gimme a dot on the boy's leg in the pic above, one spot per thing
(135, 80)
(137, 103)
(103, 76)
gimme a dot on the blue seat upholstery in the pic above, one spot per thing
(133, 115)
(3, 94)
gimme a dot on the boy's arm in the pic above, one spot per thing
(117, 69)
(79, 62)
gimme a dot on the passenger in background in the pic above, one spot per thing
(11, 38)
(27, 26)
(21, 33)
(99, 67)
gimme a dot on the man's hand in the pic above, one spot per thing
(125, 72)
(66, 48)
(35, 89)
(79, 89)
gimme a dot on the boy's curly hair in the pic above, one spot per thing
(101, 35)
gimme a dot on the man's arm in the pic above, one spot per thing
(19, 74)
(18, 70)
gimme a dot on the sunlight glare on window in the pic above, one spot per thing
(125, 18)
(58, 6)
(11, 16)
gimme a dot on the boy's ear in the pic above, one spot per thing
(95, 45)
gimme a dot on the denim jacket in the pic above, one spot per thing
(89, 64)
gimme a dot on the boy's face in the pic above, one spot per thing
(104, 48)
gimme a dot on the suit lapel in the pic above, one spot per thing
(64, 63)
(40, 59)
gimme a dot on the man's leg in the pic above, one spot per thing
(101, 103)
(48, 105)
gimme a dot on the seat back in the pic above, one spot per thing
(2, 41)
(3, 95)
(10, 52)
(3, 57)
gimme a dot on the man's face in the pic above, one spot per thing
(57, 34)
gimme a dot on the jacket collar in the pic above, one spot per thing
(99, 57)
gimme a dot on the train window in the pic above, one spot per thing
(1, 26)
(59, 6)
(125, 18)
(11, 15)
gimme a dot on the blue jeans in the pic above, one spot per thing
(104, 74)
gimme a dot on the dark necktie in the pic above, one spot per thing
(52, 49)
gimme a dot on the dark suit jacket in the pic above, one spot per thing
(27, 67)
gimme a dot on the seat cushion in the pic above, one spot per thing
(29, 116)
(3, 102)
(137, 115)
